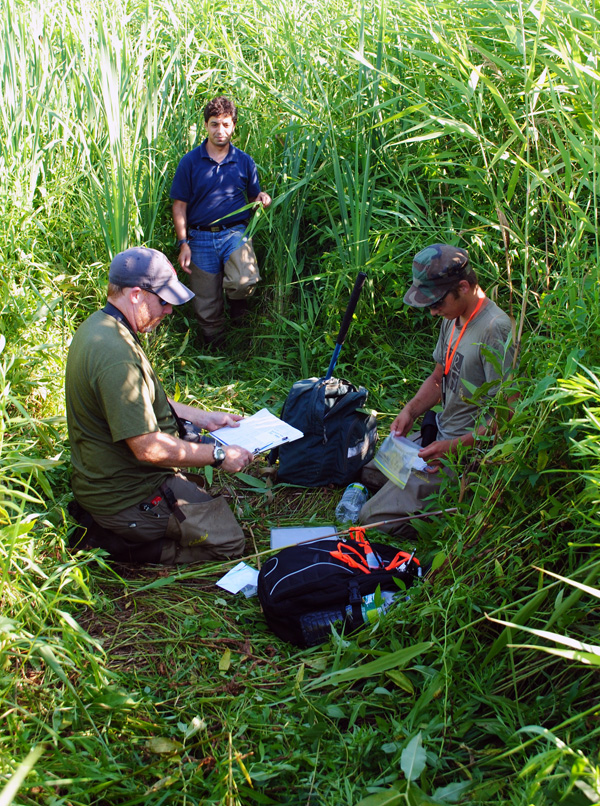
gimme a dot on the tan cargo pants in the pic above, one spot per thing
(201, 529)
(392, 502)
(238, 279)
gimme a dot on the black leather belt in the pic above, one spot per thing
(219, 227)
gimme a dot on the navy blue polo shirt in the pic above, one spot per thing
(212, 190)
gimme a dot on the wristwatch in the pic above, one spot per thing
(219, 456)
(181, 241)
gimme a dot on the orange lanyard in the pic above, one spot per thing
(450, 356)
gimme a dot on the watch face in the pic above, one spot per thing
(219, 454)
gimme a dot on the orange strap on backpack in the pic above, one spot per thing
(402, 557)
(358, 534)
(344, 554)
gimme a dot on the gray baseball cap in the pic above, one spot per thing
(435, 270)
(151, 270)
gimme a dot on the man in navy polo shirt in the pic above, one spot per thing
(212, 185)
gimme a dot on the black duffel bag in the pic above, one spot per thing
(339, 437)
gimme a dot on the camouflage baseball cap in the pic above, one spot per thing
(435, 270)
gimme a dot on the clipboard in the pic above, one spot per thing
(292, 535)
(260, 432)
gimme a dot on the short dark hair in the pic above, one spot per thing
(468, 275)
(220, 106)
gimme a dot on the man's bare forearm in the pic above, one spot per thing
(165, 450)
(180, 219)
(428, 396)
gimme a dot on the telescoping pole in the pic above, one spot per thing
(360, 281)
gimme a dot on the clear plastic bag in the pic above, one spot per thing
(396, 457)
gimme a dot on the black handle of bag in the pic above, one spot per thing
(358, 285)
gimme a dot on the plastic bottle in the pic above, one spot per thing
(351, 503)
(370, 610)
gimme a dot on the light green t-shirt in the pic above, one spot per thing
(490, 329)
(112, 393)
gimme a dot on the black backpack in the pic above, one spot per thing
(338, 438)
(304, 589)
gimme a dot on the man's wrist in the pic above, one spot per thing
(408, 409)
(219, 456)
(181, 241)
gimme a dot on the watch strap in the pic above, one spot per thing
(218, 462)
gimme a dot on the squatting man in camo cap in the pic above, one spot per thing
(123, 430)
(473, 325)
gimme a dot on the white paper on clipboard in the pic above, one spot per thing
(258, 433)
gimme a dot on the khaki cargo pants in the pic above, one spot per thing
(199, 529)
(238, 279)
(392, 502)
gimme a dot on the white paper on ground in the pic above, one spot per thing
(291, 535)
(239, 577)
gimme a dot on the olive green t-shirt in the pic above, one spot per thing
(112, 393)
(489, 329)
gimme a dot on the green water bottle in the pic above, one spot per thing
(371, 611)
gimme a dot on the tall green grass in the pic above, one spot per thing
(377, 127)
